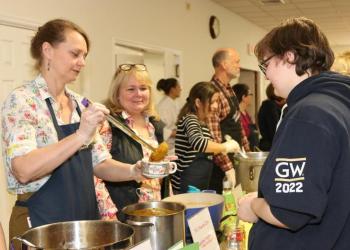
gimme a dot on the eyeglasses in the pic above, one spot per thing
(263, 64)
(138, 67)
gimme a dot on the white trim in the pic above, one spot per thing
(143, 47)
(17, 22)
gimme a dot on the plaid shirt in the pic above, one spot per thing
(215, 118)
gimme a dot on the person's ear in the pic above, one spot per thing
(197, 103)
(47, 50)
(223, 64)
(289, 57)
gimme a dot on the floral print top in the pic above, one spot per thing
(106, 207)
(150, 188)
(27, 125)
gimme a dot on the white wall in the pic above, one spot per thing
(164, 23)
(341, 49)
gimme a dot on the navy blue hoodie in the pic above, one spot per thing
(306, 177)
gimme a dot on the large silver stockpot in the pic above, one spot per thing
(248, 169)
(163, 230)
(92, 234)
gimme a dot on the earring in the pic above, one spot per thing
(48, 65)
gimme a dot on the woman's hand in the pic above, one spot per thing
(91, 118)
(136, 172)
(231, 146)
(231, 176)
(245, 211)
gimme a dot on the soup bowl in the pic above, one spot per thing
(158, 169)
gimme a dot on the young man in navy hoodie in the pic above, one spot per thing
(303, 200)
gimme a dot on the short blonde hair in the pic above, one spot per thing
(122, 77)
(342, 63)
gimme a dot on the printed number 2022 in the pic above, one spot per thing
(293, 187)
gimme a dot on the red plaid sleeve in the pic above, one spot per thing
(216, 116)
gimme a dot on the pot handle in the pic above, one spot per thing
(252, 172)
(139, 223)
(24, 241)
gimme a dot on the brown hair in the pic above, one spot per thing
(240, 89)
(302, 37)
(53, 32)
(204, 91)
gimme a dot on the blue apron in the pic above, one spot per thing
(69, 194)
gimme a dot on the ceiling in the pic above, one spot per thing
(333, 16)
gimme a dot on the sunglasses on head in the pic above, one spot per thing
(127, 67)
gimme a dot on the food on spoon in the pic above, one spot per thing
(160, 152)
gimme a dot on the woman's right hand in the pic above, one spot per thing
(231, 146)
(91, 118)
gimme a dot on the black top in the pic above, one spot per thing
(126, 149)
(268, 116)
(306, 177)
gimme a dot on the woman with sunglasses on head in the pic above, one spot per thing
(194, 145)
(303, 200)
(50, 145)
(130, 101)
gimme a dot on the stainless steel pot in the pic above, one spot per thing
(248, 169)
(95, 234)
(163, 230)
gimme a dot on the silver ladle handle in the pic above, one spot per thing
(122, 127)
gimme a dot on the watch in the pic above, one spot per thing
(214, 27)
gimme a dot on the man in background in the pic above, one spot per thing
(226, 119)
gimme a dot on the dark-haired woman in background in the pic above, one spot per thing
(168, 109)
(194, 145)
(268, 116)
(244, 97)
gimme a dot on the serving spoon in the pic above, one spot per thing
(157, 154)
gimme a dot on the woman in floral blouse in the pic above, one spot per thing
(51, 148)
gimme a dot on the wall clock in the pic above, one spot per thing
(214, 27)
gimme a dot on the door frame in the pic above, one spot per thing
(21, 23)
(172, 59)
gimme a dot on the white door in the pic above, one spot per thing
(160, 62)
(15, 68)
